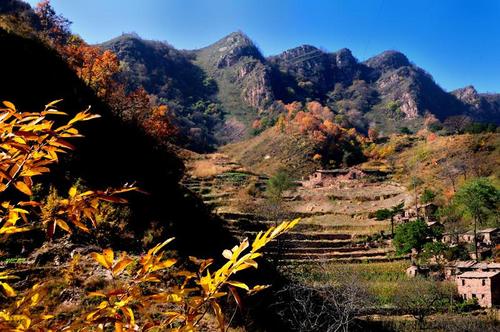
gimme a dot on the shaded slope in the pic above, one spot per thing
(111, 153)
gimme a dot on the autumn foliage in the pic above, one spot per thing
(147, 294)
(317, 122)
(99, 69)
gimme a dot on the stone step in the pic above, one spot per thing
(331, 255)
(379, 259)
(324, 250)
(315, 236)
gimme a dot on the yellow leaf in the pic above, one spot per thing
(257, 288)
(72, 191)
(100, 259)
(122, 264)
(52, 103)
(61, 223)
(128, 312)
(7, 290)
(238, 284)
(164, 264)
(22, 187)
(109, 256)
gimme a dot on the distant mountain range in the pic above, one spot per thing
(386, 91)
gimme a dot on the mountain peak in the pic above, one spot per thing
(467, 94)
(344, 58)
(388, 60)
(228, 50)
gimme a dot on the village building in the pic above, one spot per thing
(488, 237)
(330, 177)
(456, 268)
(415, 270)
(425, 211)
(483, 286)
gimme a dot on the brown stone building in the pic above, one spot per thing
(483, 286)
(329, 177)
(488, 236)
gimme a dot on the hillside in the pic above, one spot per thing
(112, 153)
(272, 150)
(387, 91)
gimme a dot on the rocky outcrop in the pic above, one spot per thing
(234, 47)
(240, 71)
(388, 60)
(468, 95)
(482, 106)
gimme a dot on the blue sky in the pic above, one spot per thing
(457, 41)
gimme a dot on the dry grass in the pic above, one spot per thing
(207, 168)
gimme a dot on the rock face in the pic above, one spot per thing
(388, 60)
(468, 95)
(239, 68)
(482, 106)
(386, 90)
(233, 47)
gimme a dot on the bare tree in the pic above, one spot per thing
(331, 307)
(422, 297)
(457, 123)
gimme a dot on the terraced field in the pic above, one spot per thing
(336, 222)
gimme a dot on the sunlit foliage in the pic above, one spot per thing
(30, 143)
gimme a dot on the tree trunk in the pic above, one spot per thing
(392, 226)
(475, 239)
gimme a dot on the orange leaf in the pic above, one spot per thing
(9, 105)
(22, 187)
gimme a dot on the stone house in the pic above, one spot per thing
(488, 237)
(453, 269)
(329, 177)
(425, 211)
(483, 286)
(415, 270)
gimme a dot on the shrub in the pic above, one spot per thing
(412, 235)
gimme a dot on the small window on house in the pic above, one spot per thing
(482, 296)
(483, 282)
(474, 296)
(463, 282)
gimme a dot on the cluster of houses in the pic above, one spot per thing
(474, 280)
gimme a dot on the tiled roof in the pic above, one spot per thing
(478, 274)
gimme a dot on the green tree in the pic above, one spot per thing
(479, 200)
(384, 214)
(427, 196)
(277, 185)
(411, 235)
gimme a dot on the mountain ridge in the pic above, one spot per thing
(386, 91)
